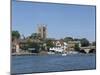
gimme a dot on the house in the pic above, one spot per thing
(60, 46)
(22, 45)
(71, 45)
(15, 46)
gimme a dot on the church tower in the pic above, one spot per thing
(42, 31)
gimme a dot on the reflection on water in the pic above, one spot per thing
(49, 63)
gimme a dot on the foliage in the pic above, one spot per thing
(33, 45)
(35, 36)
(84, 42)
(76, 39)
(15, 35)
(49, 43)
(66, 39)
(77, 47)
(25, 47)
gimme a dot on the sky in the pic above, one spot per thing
(62, 20)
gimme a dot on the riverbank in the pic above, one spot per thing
(27, 53)
(23, 54)
(42, 54)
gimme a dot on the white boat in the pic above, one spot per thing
(64, 54)
(51, 53)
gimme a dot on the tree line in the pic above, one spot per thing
(34, 41)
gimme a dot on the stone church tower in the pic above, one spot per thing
(42, 31)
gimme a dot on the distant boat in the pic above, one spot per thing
(51, 53)
(64, 54)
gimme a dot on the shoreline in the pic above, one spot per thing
(37, 54)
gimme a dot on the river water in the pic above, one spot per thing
(52, 63)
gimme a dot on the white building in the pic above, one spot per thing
(60, 46)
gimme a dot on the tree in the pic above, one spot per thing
(33, 45)
(84, 42)
(34, 36)
(66, 39)
(77, 47)
(49, 43)
(76, 39)
(15, 35)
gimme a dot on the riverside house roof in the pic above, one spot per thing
(59, 42)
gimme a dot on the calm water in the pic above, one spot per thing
(50, 63)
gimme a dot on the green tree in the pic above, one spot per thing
(34, 36)
(49, 43)
(84, 42)
(33, 45)
(76, 39)
(77, 47)
(66, 39)
(15, 35)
